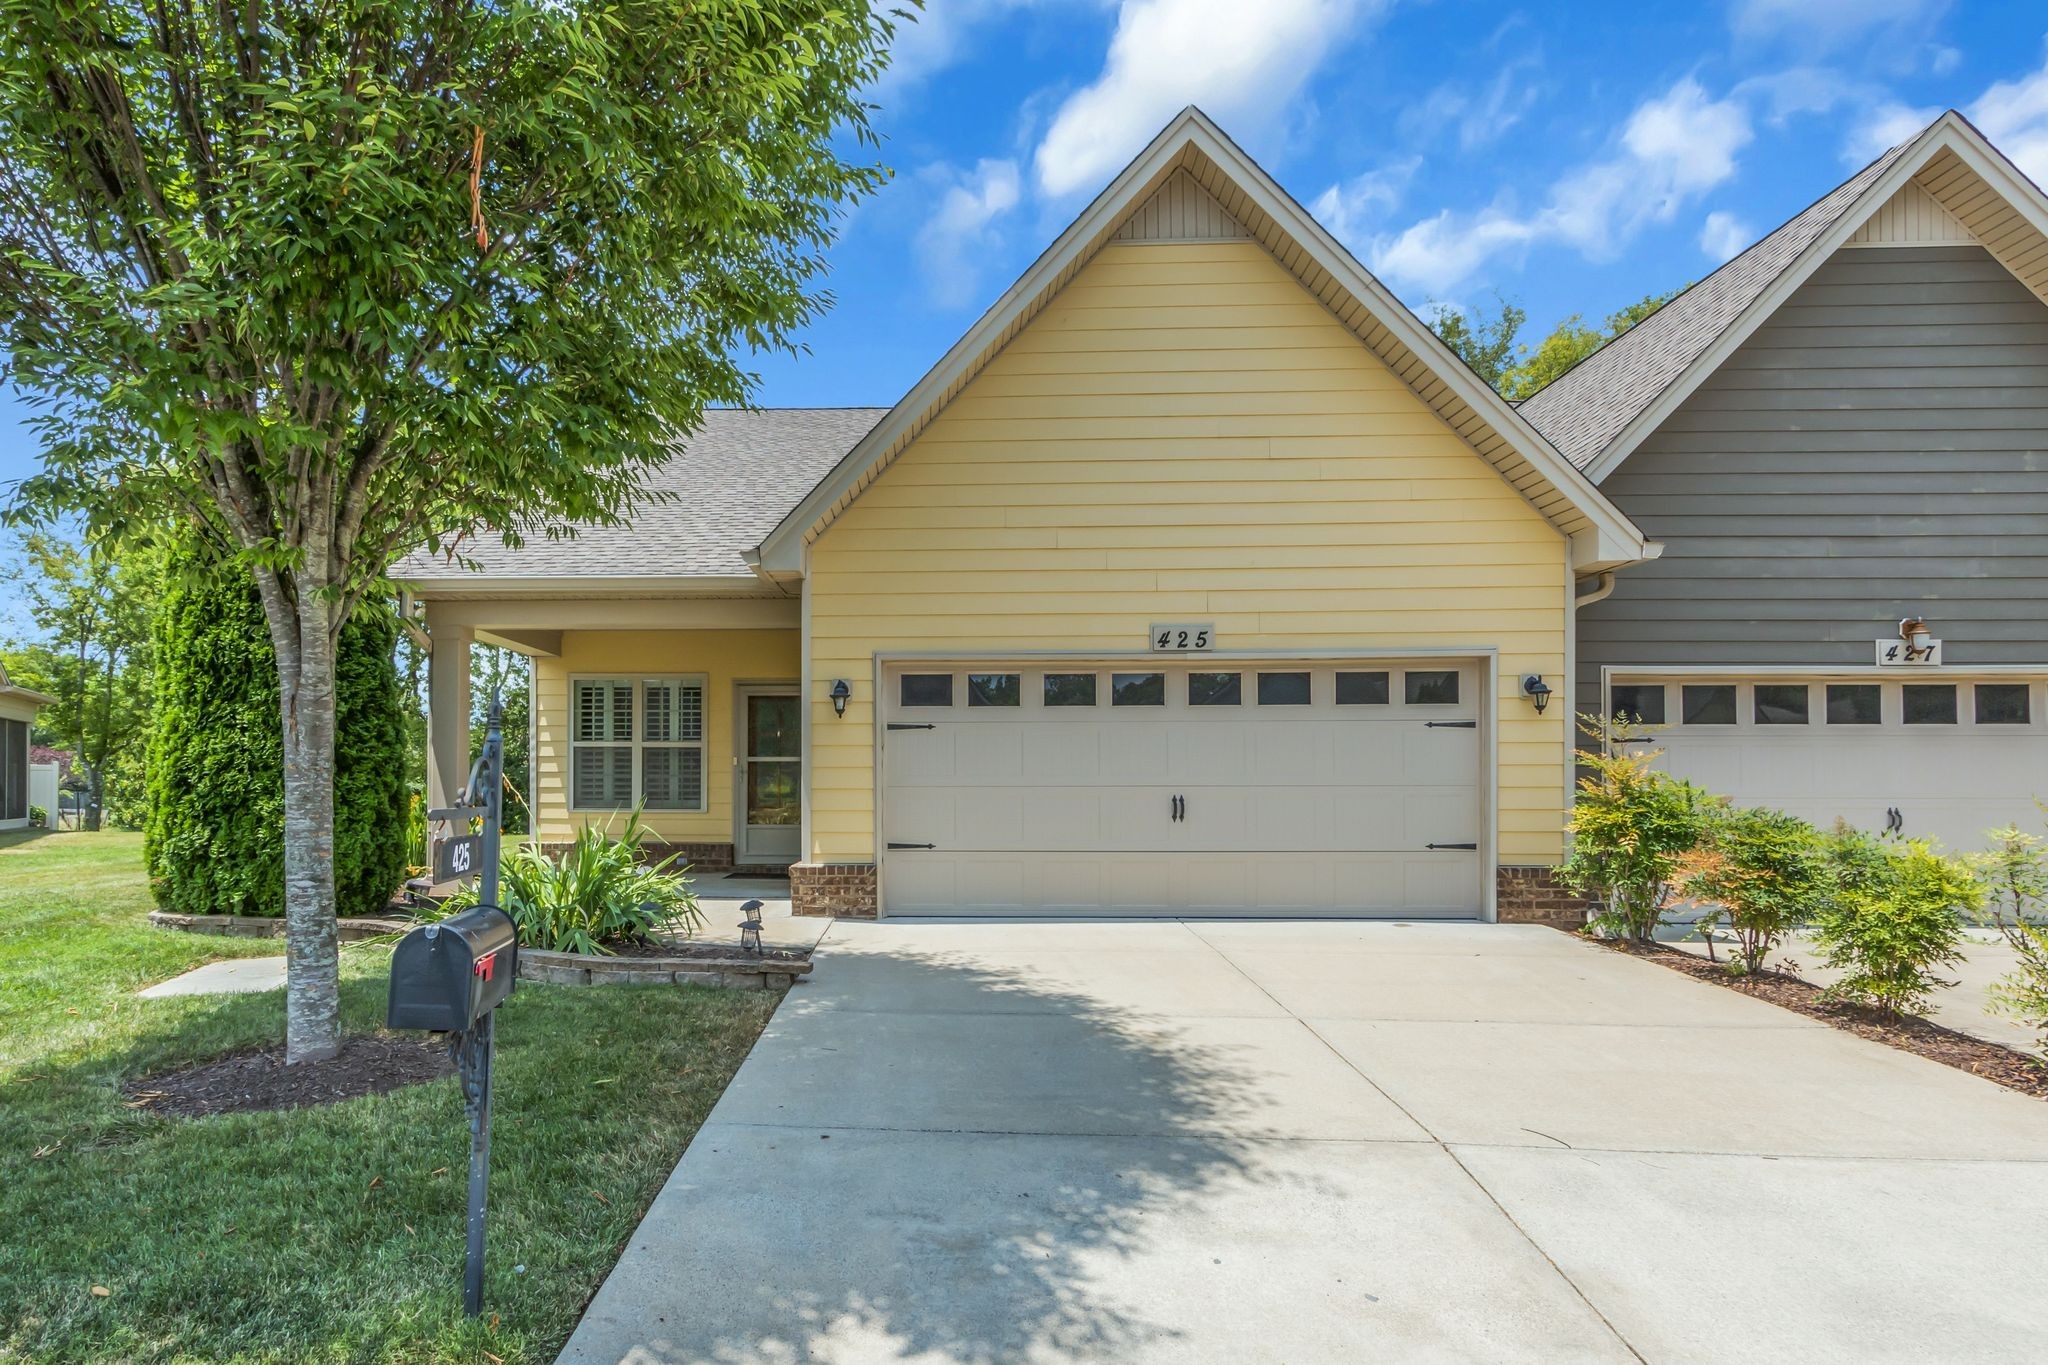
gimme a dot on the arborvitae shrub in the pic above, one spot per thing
(215, 833)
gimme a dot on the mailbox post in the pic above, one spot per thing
(451, 976)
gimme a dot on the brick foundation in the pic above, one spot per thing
(1534, 895)
(700, 857)
(845, 890)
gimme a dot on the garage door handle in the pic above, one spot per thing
(1451, 846)
(896, 845)
(1450, 725)
(911, 725)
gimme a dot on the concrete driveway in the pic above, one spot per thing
(1253, 1142)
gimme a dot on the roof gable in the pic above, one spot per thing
(1192, 178)
(1599, 411)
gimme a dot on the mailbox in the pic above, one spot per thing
(447, 976)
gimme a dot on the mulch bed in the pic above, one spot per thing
(721, 952)
(246, 1082)
(2004, 1066)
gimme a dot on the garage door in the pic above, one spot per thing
(1217, 790)
(1945, 757)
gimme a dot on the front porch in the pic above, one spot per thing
(687, 707)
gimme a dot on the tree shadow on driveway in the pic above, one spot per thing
(939, 1160)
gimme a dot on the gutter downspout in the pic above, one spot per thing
(1603, 587)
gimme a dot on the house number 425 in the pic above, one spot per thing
(1177, 636)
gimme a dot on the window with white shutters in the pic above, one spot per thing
(636, 741)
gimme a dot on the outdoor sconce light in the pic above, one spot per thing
(750, 927)
(1537, 691)
(841, 690)
(1919, 639)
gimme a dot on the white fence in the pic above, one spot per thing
(42, 788)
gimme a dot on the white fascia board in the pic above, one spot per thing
(1950, 131)
(780, 553)
(574, 585)
(1616, 530)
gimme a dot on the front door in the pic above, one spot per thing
(770, 776)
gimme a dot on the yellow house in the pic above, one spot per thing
(1198, 578)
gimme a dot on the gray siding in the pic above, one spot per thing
(1878, 449)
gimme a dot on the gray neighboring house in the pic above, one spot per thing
(1841, 439)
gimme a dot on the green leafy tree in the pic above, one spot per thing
(494, 671)
(92, 609)
(2014, 870)
(1631, 826)
(1484, 342)
(1896, 918)
(334, 282)
(1489, 342)
(1765, 871)
(214, 841)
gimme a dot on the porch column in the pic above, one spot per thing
(447, 711)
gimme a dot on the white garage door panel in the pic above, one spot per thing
(1431, 886)
(1948, 782)
(1287, 810)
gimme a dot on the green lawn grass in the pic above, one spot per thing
(312, 1235)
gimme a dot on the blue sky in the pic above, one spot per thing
(1570, 157)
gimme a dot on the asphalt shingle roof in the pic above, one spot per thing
(1584, 409)
(733, 481)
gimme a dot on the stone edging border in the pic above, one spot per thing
(270, 926)
(738, 971)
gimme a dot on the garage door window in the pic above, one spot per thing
(1215, 689)
(1708, 703)
(995, 689)
(927, 689)
(1855, 704)
(1433, 687)
(1137, 689)
(1639, 703)
(1930, 703)
(1362, 689)
(1283, 689)
(1070, 689)
(1781, 703)
(2002, 704)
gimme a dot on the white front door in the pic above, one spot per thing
(1175, 789)
(1938, 755)
(770, 748)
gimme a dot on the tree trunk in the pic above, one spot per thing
(305, 694)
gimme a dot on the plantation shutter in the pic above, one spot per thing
(672, 748)
(601, 747)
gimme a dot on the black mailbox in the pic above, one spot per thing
(446, 976)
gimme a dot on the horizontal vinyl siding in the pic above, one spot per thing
(1878, 449)
(725, 657)
(1185, 434)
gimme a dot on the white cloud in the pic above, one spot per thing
(2014, 115)
(1351, 209)
(944, 33)
(1883, 127)
(1829, 23)
(960, 231)
(1673, 149)
(1477, 118)
(1723, 236)
(1243, 63)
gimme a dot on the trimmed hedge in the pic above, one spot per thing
(215, 831)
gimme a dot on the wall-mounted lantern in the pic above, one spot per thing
(841, 690)
(1537, 691)
(1919, 639)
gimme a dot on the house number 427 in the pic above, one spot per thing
(1177, 636)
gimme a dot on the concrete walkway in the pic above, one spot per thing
(1324, 1143)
